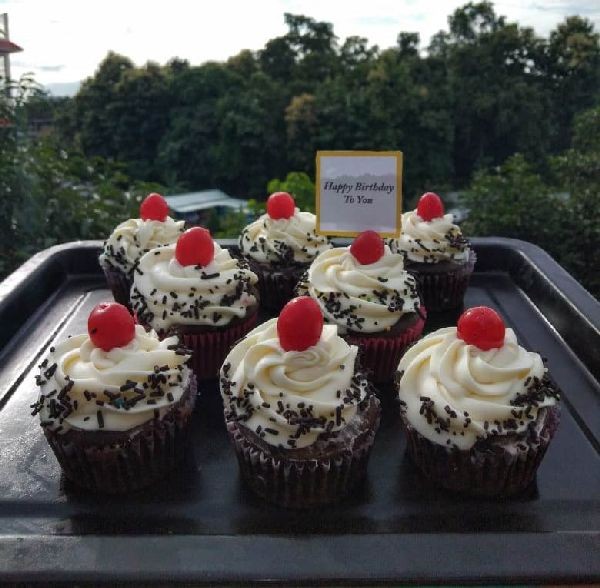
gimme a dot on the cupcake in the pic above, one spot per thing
(279, 247)
(365, 291)
(436, 253)
(134, 237)
(115, 405)
(299, 412)
(479, 410)
(196, 290)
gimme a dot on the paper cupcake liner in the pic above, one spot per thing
(210, 348)
(120, 285)
(129, 461)
(295, 483)
(380, 355)
(444, 290)
(494, 472)
(276, 286)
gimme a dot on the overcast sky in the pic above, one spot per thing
(64, 40)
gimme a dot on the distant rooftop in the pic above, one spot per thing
(195, 201)
(7, 47)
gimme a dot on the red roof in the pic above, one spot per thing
(7, 46)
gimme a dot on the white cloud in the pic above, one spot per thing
(78, 34)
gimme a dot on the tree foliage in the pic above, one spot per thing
(50, 195)
(514, 201)
(484, 89)
(561, 213)
(300, 186)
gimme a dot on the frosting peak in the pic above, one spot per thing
(362, 298)
(284, 240)
(87, 388)
(289, 398)
(430, 241)
(166, 293)
(454, 393)
(134, 237)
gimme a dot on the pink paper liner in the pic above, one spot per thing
(381, 355)
(444, 290)
(210, 348)
(137, 460)
(495, 472)
(295, 483)
(119, 284)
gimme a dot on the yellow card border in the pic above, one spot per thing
(399, 160)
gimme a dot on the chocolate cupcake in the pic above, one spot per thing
(299, 412)
(279, 247)
(479, 410)
(365, 291)
(131, 239)
(115, 406)
(196, 290)
(436, 253)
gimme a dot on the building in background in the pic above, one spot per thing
(204, 207)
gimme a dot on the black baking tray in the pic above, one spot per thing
(203, 526)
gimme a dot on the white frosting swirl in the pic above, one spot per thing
(77, 375)
(134, 237)
(454, 393)
(284, 240)
(289, 398)
(362, 298)
(430, 241)
(165, 293)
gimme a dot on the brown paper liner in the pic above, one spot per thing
(443, 290)
(120, 285)
(381, 355)
(210, 348)
(303, 483)
(276, 286)
(129, 460)
(491, 470)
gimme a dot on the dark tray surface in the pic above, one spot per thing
(395, 527)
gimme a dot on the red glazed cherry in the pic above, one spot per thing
(481, 326)
(154, 207)
(280, 205)
(430, 206)
(195, 247)
(367, 247)
(300, 324)
(110, 325)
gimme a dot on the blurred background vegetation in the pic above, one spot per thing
(502, 122)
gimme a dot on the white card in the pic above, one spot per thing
(357, 191)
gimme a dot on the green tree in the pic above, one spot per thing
(122, 113)
(140, 114)
(49, 194)
(187, 151)
(514, 201)
(300, 186)
(95, 101)
(572, 74)
(484, 89)
(251, 137)
(560, 213)
(301, 131)
(314, 45)
(499, 101)
(577, 173)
